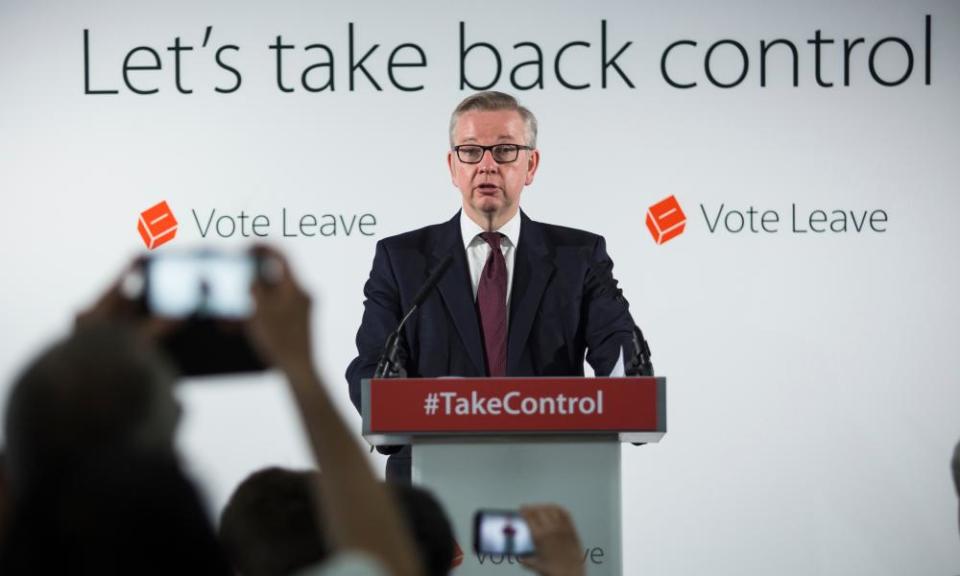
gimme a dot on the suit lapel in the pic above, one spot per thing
(455, 290)
(532, 269)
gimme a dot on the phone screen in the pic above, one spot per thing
(210, 285)
(502, 532)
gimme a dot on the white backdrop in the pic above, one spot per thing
(813, 384)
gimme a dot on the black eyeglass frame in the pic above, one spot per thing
(485, 149)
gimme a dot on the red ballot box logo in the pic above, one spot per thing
(666, 220)
(457, 555)
(157, 225)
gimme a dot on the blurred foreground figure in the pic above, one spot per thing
(956, 476)
(269, 525)
(4, 499)
(94, 482)
(360, 517)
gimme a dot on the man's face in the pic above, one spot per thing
(491, 191)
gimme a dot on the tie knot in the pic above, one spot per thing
(492, 238)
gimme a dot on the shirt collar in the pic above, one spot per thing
(470, 230)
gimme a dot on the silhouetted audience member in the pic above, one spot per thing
(99, 390)
(430, 526)
(4, 499)
(269, 527)
(95, 484)
(117, 514)
(956, 476)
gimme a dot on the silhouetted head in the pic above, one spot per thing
(100, 390)
(430, 526)
(269, 526)
(95, 483)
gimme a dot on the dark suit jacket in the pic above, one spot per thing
(564, 303)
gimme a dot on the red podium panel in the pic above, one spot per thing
(527, 405)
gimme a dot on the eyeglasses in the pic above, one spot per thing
(501, 153)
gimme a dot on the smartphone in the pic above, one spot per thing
(501, 532)
(205, 284)
(208, 294)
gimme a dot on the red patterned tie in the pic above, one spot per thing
(492, 303)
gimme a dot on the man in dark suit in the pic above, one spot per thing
(521, 298)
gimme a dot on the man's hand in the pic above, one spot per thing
(280, 327)
(355, 507)
(116, 307)
(559, 552)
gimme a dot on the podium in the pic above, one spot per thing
(482, 443)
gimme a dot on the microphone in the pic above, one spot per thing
(391, 363)
(639, 363)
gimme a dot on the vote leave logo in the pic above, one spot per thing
(157, 225)
(666, 220)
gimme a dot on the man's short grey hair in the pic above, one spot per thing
(491, 101)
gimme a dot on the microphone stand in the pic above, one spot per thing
(639, 364)
(393, 360)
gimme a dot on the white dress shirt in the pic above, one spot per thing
(478, 250)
